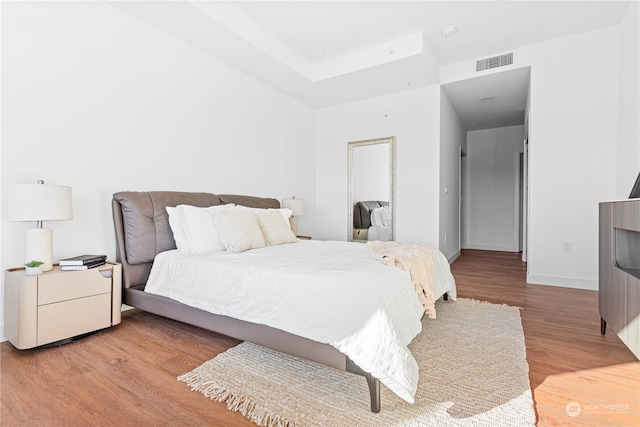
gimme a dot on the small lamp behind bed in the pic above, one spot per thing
(297, 208)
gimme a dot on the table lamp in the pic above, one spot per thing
(297, 208)
(39, 202)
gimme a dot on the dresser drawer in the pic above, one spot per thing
(68, 285)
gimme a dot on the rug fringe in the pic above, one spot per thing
(237, 403)
(492, 303)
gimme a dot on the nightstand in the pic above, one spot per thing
(360, 233)
(60, 304)
(304, 237)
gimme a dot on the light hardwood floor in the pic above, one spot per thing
(126, 375)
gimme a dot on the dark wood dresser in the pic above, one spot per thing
(619, 272)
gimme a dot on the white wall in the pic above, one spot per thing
(413, 120)
(453, 138)
(493, 188)
(628, 158)
(96, 100)
(574, 113)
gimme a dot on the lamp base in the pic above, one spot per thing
(40, 247)
(294, 225)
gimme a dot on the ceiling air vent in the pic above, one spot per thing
(494, 62)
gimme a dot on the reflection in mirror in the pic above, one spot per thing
(371, 190)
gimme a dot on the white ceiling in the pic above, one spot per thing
(491, 101)
(326, 53)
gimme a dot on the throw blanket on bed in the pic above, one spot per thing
(418, 260)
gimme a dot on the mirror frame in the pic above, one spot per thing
(391, 140)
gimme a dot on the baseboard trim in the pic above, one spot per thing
(488, 247)
(454, 256)
(563, 282)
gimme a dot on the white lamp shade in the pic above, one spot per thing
(296, 206)
(39, 202)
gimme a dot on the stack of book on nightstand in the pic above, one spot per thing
(82, 262)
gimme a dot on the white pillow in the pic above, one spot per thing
(239, 230)
(275, 229)
(200, 229)
(176, 223)
(380, 217)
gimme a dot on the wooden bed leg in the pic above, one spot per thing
(603, 326)
(374, 391)
(372, 382)
(445, 297)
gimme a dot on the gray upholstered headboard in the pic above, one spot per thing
(142, 225)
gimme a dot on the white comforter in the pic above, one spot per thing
(331, 292)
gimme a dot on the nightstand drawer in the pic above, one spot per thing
(68, 285)
(73, 317)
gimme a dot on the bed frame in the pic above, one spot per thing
(142, 231)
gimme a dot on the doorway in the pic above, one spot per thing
(492, 101)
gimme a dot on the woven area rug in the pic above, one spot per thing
(473, 371)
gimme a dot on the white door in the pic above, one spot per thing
(525, 200)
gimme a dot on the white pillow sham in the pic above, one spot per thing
(239, 230)
(380, 217)
(275, 229)
(201, 229)
(194, 228)
(177, 227)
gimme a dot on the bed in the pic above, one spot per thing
(144, 238)
(372, 220)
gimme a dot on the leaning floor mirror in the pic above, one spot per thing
(371, 189)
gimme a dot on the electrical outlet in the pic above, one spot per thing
(567, 246)
(445, 237)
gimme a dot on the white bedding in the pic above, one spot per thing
(331, 292)
(379, 233)
(380, 217)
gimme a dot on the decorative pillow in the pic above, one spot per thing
(200, 228)
(275, 229)
(239, 230)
